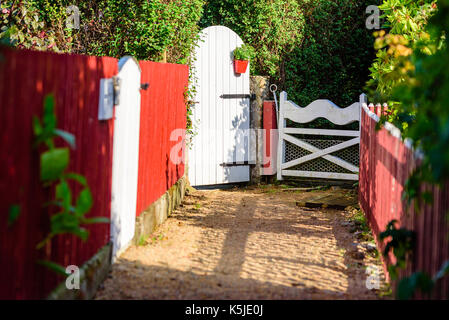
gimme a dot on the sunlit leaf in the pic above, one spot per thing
(64, 194)
(84, 202)
(53, 163)
(77, 177)
(53, 266)
(68, 137)
(95, 220)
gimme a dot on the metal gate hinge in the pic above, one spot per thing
(239, 96)
(237, 164)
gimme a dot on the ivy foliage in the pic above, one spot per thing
(311, 49)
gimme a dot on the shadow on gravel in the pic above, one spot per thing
(252, 247)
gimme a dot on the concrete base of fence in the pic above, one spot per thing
(92, 274)
(159, 211)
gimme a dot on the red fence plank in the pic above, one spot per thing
(163, 110)
(25, 78)
(385, 165)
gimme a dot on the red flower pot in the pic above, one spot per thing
(240, 66)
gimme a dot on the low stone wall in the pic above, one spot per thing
(259, 86)
(92, 274)
(159, 211)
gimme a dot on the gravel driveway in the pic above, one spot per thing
(250, 243)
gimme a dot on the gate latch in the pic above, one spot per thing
(109, 96)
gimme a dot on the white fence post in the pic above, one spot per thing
(281, 125)
(363, 100)
(125, 156)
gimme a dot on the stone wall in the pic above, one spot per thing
(259, 86)
(160, 210)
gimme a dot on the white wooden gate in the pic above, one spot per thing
(318, 158)
(125, 156)
(220, 150)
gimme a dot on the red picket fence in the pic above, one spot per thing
(385, 164)
(25, 78)
(162, 111)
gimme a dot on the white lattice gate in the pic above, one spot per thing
(334, 155)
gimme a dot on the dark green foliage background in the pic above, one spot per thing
(141, 28)
(311, 49)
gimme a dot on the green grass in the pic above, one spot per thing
(142, 241)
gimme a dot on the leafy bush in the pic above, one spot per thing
(311, 49)
(405, 24)
(148, 30)
(333, 58)
(143, 29)
(22, 25)
(411, 70)
(272, 27)
(244, 52)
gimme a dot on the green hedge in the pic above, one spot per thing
(141, 28)
(311, 49)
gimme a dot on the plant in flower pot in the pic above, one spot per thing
(242, 55)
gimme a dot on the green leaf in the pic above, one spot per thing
(68, 223)
(417, 281)
(37, 127)
(68, 137)
(64, 222)
(81, 233)
(53, 266)
(84, 202)
(95, 220)
(77, 177)
(14, 212)
(443, 271)
(64, 194)
(53, 163)
(49, 119)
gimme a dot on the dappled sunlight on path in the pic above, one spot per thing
(244, 244)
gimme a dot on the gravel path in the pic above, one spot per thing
(245, 244)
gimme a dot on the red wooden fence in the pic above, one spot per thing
(25, 78)
(162, 111)
(385, 164)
